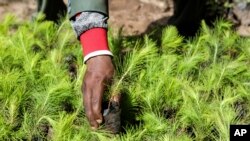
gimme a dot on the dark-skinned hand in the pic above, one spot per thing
(98, 75)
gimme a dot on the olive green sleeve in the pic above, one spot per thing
(77, 6)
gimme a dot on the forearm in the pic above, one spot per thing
(89, 21)
(87, 14)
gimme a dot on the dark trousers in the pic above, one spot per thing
(52, 9)
(187, 15)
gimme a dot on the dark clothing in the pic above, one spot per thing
(52, 9)
(77, 6)
(188, 15)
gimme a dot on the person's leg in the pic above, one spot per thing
(187, 15)
(52, 9)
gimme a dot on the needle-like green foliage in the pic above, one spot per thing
(178, 90)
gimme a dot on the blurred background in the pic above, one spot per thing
(139, 16)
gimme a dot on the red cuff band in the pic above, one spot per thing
(93, 40)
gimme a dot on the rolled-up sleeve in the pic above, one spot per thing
(90, 14)
(88, 20)
(78, 6)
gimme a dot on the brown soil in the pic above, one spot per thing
(134, 16)
(22, 9)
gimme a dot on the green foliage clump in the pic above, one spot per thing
(180, 89)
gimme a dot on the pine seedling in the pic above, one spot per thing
(202, 80)
(8, 24)
(133, 63)
(171, 40)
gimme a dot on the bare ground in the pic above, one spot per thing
(22, 9)
(134, 16)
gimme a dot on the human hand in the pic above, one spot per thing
(99, 74)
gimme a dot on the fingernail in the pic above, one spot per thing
(99, 121)
(93, 128)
